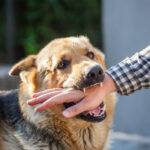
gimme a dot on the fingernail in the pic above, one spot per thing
(66, 113)
(33, 96)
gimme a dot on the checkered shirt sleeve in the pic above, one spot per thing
(133, 73)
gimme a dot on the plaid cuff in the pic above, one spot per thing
(133, 73)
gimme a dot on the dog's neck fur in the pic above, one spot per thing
(80, 135)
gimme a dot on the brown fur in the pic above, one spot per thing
(38, 72)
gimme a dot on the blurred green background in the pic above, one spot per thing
(38, 22)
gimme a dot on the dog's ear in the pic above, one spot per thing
(101, 58)
(22, 67)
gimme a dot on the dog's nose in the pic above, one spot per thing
(95, 74)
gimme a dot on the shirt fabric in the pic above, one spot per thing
(133, 73)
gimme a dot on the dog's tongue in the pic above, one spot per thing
(95, 111)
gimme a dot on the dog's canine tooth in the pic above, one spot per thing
(101, 84)
(104, 108)
(84, 90)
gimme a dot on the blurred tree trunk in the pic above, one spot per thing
(10, 30)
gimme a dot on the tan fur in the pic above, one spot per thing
(1, 143)
(39, 72)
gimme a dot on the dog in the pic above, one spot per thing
(71, 62)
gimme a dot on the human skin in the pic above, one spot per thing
(51, 97)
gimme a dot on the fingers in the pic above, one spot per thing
(66, 96)
(42, 98)
(45, 95)
(47, 91)
(50, 102)
(53, 97)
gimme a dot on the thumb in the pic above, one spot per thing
(75, 109)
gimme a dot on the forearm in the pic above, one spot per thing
(133, 73)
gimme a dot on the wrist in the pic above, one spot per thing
(109, 83)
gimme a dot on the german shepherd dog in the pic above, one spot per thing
(64, 62)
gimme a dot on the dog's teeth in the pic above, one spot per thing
(84, 90)
(102, 113)
(91, 113)
(101, 84)
(104, 108)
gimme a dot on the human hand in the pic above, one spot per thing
(91, 98)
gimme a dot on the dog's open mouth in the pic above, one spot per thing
(97, 114)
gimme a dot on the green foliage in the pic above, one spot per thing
(37, 22)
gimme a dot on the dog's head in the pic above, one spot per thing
(66, 62)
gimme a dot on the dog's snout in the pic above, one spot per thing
(95, 74)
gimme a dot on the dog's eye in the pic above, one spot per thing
(90, 55)
(63, 64)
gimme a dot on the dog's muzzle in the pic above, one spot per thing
(94, 75)
(91, 76)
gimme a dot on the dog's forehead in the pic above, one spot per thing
(62, 47)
